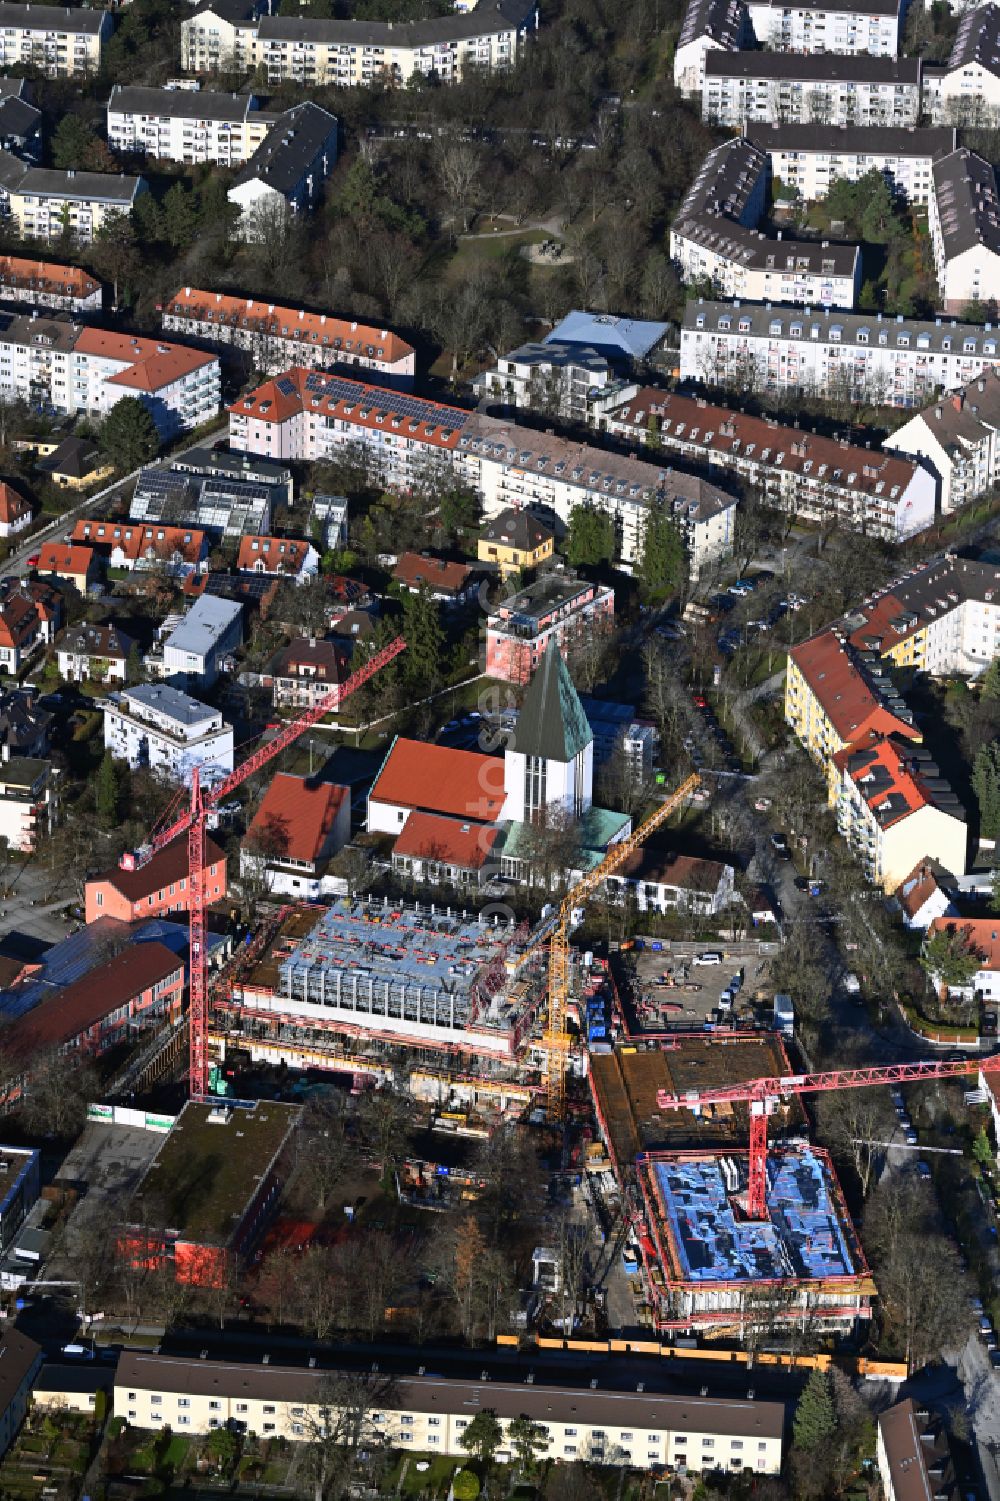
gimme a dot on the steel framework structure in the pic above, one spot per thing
(556, 1039)
(192, 823)
(764, 1096)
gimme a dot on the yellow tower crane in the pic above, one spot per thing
(556, 1039)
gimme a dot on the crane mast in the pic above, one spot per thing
(765, 1095)
(192, 823)
(556, 1039)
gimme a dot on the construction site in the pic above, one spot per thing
(712, 1267)
(422, 978)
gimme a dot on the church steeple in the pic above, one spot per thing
(549, 764)
(552, 723)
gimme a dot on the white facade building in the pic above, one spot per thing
(55, 362)
(715, 237)
(708, 26)
(863, 357)
(964, 221)
(764, 88)
(965, 91)
(275, 336)
(194, 649)
(872, 27)
(305, 415)
(61, 41)
(186, 125)
(44, 203)
(158, 726)
(958, 439)
(29, 801)
(807, 475)
(286, 173)
(808, 158)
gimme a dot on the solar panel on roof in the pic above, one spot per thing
(285, 386)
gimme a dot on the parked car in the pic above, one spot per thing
(779, 842)
(708, 956)
(923, 1169)
(911, 1138)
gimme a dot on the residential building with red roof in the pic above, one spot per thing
(140, 986)
(68, 561)
(298, 827)
(16, 511)
(879, 493)
(446, 582)
(285, 557)
(895, 809)
(159, 886)
(305, 415)
(20, 632)
(923, 895)
(144, 545)
(436, 850)
(46, 284)
(982, 935)
(82, 369)
(833, 698)
(663, 881)
(46, 598)
(276, 337)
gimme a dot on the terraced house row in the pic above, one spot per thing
(222, 36)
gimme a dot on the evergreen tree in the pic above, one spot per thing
(483, 1436)
(133, 667)
(986, 784)
(527, 1439)
(590, 538)
(72, 141)
(422, 661)
(147, 217)
(128, 434)
(661, 567)
(815, 1418)
(991, 680)
(950, 958)
(106, 792)
(180, 217)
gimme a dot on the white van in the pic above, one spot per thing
(710, 956)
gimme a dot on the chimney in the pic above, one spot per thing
(957, 400)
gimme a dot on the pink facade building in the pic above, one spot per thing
(558, 606)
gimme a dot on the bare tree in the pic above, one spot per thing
(324, 1151)
(337, 1428)
(854, 1123)
(456, 165)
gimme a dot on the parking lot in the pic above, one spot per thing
(673, 990)
(106, 1164)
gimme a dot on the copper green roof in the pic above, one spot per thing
(552, 723)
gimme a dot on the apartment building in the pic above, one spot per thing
(807, 158)
(173, 498)
(871, 27)
(359, 53)
(958, 440)
(862, 357)
(129, 545)
(61, 365)
(761, 88)
(220, 36)
(44, 284)
(194, 650)
(715, 238)
(20, 121)
(964, 222)
(43, 203)
(895, 809)
(305, 415)
(557, 607)
(96, 652)
(913, 1457)
(664, 881)
(60, 41)
(559, 379)
(29, 802)
(286, 173)
(156, 725)
(156, 886)
(429, 1414)
(20, 1362)
(836, 693)
(187, 125)
(275, 336)
(965, 91)
(306, 671)
(708, 26)
(807, 475)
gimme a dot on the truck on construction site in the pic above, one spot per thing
(784, 1015)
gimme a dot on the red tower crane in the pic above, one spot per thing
(192, 823)
(764, 1095)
